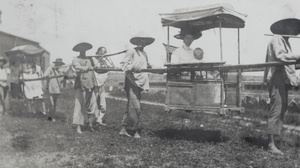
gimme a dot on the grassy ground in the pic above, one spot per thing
(29, 140)
(254, 110)
(152, 96)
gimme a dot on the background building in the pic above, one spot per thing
(9, 41)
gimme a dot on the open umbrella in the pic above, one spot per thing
(27, 50)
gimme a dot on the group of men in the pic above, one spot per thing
(90, 104)
(33, 89)
(89, 84)
(90, 92)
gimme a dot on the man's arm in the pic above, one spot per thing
(79, 67)
(47, 72)
(126, 64)
(281, 51)
(96, 62)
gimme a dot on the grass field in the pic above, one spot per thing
(30, 140)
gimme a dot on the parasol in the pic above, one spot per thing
(27, 50)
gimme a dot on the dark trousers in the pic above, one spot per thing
(278, 92)
(133, 110)
(2, 99)
(16, 91)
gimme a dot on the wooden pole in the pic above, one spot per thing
(221, 46)
(239, 76)
(223, 97)
(239, 47)
(168, 54)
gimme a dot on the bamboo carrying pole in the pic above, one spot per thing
(108, 55)
(283, 35)
(225, 68)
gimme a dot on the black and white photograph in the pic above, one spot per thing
(149, 83)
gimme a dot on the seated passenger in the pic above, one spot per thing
(198, 54)
(33, 89)
(184, 54)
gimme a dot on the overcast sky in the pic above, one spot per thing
(60, 24)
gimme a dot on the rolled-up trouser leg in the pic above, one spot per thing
(91, 105)
(52, 103)
(102, 98)
(79, 108)
(133, 107)
(2, 102)
(278, 91)
(101, 102)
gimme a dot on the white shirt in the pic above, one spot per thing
(101, 78)
(182, 55)
(137, 59)
(4, 72)
(33, 88)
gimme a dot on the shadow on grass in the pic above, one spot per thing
(28, 115)
(22, 142)
(259, 142)
(196, 135)
(58, 116)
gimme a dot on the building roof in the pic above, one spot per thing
(9, 34)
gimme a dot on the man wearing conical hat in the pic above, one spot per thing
(135, 81)
(85, 100)
(280, 79)
(53, 85)
(184, 54)
(4, 72)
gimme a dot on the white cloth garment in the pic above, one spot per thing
(183, 54)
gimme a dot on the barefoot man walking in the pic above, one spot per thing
(280, 79)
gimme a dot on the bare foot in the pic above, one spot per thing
(273, 149)
(136, 135)
(124, 133)
(102, 123)
(79, 130)
(92, 129)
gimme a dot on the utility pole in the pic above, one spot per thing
(56, 29)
